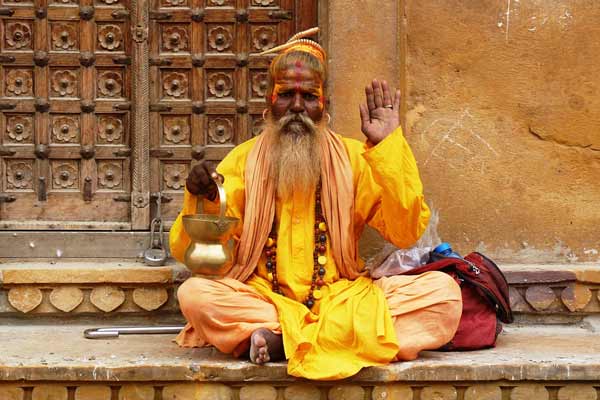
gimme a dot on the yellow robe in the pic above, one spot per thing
(350, 327)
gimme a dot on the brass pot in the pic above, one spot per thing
(210, 252)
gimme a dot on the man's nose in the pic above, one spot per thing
(297, 104)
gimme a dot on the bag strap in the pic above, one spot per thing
(494, 281)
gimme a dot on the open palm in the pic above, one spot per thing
(380, 116)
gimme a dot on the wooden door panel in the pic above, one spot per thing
(206, 74)
(66, 82)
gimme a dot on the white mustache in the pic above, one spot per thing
(290, 118)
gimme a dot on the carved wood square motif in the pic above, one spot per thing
(174, 175)
(264, 37)
(64, 2)
(65, 129)
(110, 175)
(220, 38)
(109, 129)
(108, 2)
(175, 38)
(19, 128)
(259, 84)
(64, 83)
(220, 3)
(110, 84)
(176, 129)
(19, 174)
(18, 35)
(65, 174)
(220, 130)
(175, 85)
(18, 83)
(173, 3)
(110, 38)
(264, 3)
(220, 84)
(65, 36)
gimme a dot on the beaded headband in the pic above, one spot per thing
(298, 43)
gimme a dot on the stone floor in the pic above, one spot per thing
(60, 353)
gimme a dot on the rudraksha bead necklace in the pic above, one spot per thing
(319, 258)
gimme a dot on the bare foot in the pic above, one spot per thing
(265, 346)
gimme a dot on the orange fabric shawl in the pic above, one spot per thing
(337, 198)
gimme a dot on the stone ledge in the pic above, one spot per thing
(556, 292)
(551, 273)
(84, 271)
(554, 289)
(523, 354)
(84, 287)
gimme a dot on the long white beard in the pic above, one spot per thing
(296, 158)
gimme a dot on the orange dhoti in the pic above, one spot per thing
(424, 309)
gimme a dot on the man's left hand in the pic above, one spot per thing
(380, 116)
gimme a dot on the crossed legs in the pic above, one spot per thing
(236, 319)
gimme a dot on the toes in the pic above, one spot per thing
(263, 354)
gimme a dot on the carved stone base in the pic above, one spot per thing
(88, 288)
(303, 391)
(539, 293)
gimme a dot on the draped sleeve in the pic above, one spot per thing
(388, 190)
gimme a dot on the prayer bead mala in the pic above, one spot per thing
(319, 257)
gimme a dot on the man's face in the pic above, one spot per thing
(297, 90)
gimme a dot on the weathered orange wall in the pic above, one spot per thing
(501, 107)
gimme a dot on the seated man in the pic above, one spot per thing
(297, 289)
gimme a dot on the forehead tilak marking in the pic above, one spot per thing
(298, 72)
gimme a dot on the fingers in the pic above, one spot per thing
(387, 98)
(377, 93)
(370, 97)
(216, 176)
(199, 180)
(364, 114)
(397, 98)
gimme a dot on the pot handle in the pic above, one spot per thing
(222, 199)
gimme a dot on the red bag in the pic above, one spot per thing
(485, 299)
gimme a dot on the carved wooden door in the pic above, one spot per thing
(105, 102)
(208, 83)
(65, 122)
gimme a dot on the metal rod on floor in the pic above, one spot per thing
(113, 332)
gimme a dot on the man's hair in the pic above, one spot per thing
(289, 59)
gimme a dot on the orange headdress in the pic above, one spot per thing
(298, 43)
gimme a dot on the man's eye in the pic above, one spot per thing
(309, 96)
(286, 94)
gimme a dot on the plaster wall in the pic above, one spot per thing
(501, 107)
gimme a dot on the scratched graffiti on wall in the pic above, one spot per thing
(461, 134)
(515, 15)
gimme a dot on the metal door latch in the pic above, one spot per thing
(156, 254)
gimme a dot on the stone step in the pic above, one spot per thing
(41, 362)
(112, 289)
(76, 288)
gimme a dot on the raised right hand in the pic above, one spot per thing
(200, 181)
